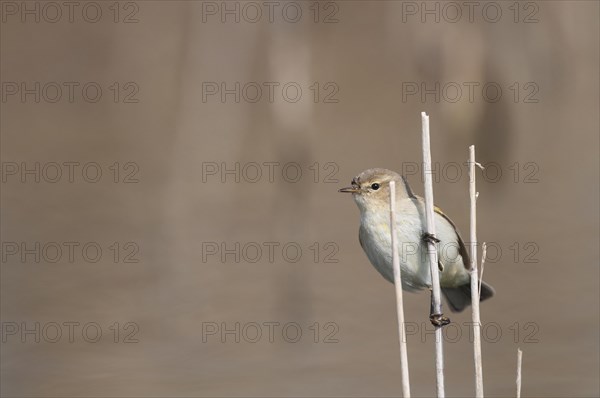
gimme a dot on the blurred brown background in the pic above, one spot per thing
(542, 212)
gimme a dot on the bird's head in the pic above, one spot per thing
(371, 188)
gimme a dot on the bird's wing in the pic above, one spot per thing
(462, 249)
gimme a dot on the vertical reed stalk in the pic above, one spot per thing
(433, 255)
(399, 299)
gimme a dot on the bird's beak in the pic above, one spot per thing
(352, 189)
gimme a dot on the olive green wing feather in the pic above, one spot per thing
(462, 249)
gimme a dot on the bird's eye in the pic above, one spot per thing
(375, 186)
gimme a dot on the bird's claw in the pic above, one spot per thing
(429, 238)
(439, 320)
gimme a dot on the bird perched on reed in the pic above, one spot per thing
(371, 192)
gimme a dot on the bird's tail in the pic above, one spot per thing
(459, 298)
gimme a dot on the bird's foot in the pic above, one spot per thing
(429, 238)
(439, 320)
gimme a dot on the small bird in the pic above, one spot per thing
(371, 192)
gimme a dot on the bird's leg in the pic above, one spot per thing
(436, 319)
(430, 238)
